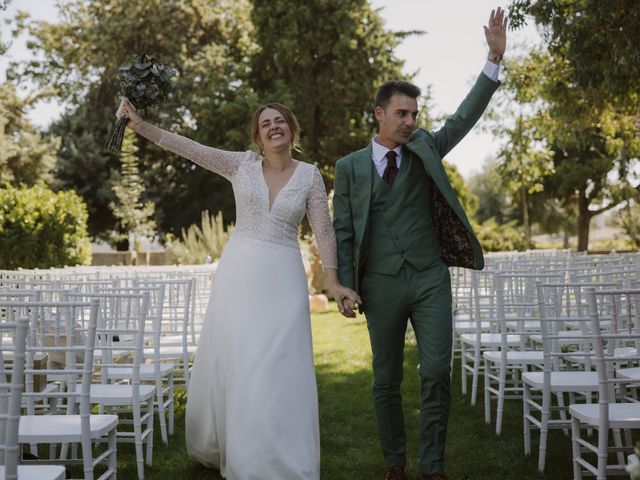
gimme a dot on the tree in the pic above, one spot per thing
(77, 58)
(598, 40)
(587, 140)
(487, 186)
(134, 218)
(26, 156)
(325, 59)
(467, 199)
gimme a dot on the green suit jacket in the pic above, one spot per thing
(353, 184)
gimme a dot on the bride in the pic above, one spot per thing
(252, 408)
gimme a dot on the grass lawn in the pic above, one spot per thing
(347, 423)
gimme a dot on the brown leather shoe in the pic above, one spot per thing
(437, 476)
(396, 473)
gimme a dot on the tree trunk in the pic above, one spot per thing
(525, 217)
(584, 221)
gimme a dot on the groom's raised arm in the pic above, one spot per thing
(343, 225)
(475, 103)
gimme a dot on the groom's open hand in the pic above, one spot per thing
(496, 32)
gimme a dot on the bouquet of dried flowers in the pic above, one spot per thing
(146, 84)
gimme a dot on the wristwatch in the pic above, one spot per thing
(494, 57)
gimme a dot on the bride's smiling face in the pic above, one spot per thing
(274, 130)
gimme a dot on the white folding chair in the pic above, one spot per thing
(607, 414)
(13, 335)
(72, 421)
(120, 341)
(159, 372)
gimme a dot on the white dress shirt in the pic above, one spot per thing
(379, 152)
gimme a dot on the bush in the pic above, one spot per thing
(40, 228)
(200, 244)
(499, 238)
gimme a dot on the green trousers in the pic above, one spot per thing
(424, 298)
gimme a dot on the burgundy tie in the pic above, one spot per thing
(391, 171)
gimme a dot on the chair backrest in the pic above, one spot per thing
(176, 309)
(120, 332)
(13, 335)
(56, 327)
(626, 308)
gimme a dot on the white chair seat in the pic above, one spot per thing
(470, 326)
(630, 373)
(169, 351)
(147, 371)
(618, 352)
(522, 358)
(490, 339)
(568, 337)
(524, 326)
(61, 428)
(38, 472)
(564, 381)
(118, 394)
(173, 339)
(621, 415)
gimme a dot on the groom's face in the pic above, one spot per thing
(398, 120)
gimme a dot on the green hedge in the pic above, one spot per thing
(40, 228)
(495, 237)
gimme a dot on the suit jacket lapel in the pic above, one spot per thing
(363, 183)
(364, 179)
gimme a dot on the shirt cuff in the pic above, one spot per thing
(491, 70)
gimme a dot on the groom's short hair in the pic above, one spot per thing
(393, 87)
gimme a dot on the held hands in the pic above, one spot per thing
(346, 299)
(128, 111)
(496, 33)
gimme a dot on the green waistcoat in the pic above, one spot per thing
(401, 225)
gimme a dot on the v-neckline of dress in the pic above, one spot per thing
(266, 186)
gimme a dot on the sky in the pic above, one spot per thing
(447, 58)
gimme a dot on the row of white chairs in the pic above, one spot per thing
(525, 327)
(144, 344)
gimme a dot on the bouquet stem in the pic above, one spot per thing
(114, 142)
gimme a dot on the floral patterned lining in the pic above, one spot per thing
(452, 234)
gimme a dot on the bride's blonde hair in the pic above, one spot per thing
(288, 116)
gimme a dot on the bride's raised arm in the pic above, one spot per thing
(222, 162)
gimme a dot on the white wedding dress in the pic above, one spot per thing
(252, 408)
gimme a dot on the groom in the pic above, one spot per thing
(399, 225)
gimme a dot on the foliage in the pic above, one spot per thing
(77, 59)
(495, 237)
(3, 47)
(580, 141)
(325, 59)
(200, 244)
(145, 84)
(589, 82)
(599, 41)
(134, 218)
(42, 229)
(26, 156)
(628, 218)
(467, 199)
(487, 187)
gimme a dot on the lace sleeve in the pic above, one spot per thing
(318, 214)
(219, 161)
